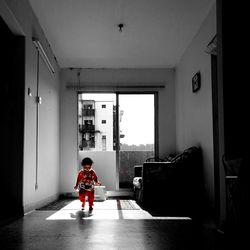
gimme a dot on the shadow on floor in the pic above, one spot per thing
(80, 214)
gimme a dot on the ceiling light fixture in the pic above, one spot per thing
(120, 26)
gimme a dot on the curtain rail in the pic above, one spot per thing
(117, 87)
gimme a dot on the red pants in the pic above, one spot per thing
(90, 194)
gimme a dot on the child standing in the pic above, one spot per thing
(85, 182)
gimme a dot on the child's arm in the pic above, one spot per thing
(96, 179)
(78, 180)
(76, 186)
(98, 183)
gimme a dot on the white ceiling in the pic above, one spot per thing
(84, 33)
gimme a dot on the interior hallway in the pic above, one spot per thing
(109, 227)
(57, 150)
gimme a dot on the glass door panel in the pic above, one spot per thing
(136, 134)
(96, 134)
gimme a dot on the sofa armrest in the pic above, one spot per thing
(138, 170)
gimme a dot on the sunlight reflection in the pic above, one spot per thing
(106, 210)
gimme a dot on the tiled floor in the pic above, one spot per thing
(107, 228)
(107, 210)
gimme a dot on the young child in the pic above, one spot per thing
(85, 182)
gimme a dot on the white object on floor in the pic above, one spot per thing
(100, 193)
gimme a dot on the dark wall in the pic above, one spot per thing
(12, 119)
(233, 45)
(235, 77)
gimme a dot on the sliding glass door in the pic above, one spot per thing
(117, 131)
(136, 133)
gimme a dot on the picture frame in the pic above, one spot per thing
(196, 82)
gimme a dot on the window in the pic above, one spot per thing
(104, 142)
(119, 135)
(136, 133)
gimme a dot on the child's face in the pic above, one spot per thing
(87, 167)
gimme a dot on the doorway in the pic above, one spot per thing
(117, 130)
(12, 90)
(136, 134)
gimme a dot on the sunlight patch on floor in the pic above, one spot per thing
(106, 210)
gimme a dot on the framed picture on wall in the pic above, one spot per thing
(196, 82)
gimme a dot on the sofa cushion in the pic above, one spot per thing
(187, 155)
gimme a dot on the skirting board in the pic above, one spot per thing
(116, 193)
(119, 193)
(34, 205)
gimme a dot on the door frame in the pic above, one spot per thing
(156, 129)
(156, 122)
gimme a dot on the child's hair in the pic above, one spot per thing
(87, 161)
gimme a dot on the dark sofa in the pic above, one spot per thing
(174, 185)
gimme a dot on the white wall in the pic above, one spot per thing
(104, 165)
(194, 124)
(20, 18)
(107, 77)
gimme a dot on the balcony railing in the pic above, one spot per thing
(86, 128)
(86, 145)
(128, 159)
(107, 161)
(88, 112)
(91, 144)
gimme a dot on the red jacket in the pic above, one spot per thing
(86, 179)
